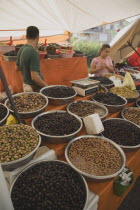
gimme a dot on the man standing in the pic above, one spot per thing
(28, 62)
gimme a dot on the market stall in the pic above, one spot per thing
(50, 183)
(55, 71)
(104, 189)
(107, 199)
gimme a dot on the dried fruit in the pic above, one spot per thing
(59, 92)
(57, 124)
(108, 98)
(122, 132)
(132, 114)
(103, 80)
(16, 141)
(124, 92)
(85, 108)
(28, 102)
(49, 185)
(3, 112)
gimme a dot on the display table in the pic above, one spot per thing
(55, 71)
(107, 199)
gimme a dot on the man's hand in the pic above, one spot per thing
(17, 68)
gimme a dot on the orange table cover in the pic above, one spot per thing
(55, 71)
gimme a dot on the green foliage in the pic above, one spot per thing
(89, 48)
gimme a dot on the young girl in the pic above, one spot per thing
(102, 64)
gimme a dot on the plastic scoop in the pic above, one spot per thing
(70, 51)
(11, 41)
(58, 51)
(45, 44)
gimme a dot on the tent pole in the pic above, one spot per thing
(129, 43)
(3, 79)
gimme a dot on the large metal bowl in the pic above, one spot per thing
(130, 100)
(106, 85)
(3, 121)
(126, 148)
(137, 103)
(94, 177)
(81, 177)
(9, 166)
(112, 108)
(92, 102)
(27, 115)
(59, 101)
(9, 58)
(57, 139)
(128, 108)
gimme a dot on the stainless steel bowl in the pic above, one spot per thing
(106, 85)
(59, 101)
(57, 139)
(9, 166)
(27, 115)
(92, 102)
(128, 108)
(130, 100)
(9, 58)
(126, 148)
(94, 177)
(3, 121)
(32, 165)
(137, 103)
(112, 108)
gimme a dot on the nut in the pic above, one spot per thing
(85, 108)
(95, 156)
(133, 114)
(28, 102)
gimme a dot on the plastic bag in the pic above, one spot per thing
(11, 120)
(128, 82)
(116, 81)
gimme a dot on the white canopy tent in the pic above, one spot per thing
(120, 48)
(56, 16)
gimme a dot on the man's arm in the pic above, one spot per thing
(37, 79)
(17, 68)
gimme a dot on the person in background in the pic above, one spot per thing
(102, 64)
(28, 62)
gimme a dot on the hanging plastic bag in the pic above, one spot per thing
(128, 82)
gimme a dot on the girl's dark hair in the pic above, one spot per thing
(104, 46)
(32, 32)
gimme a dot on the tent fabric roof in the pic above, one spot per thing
(119, 46)
(64, 15)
